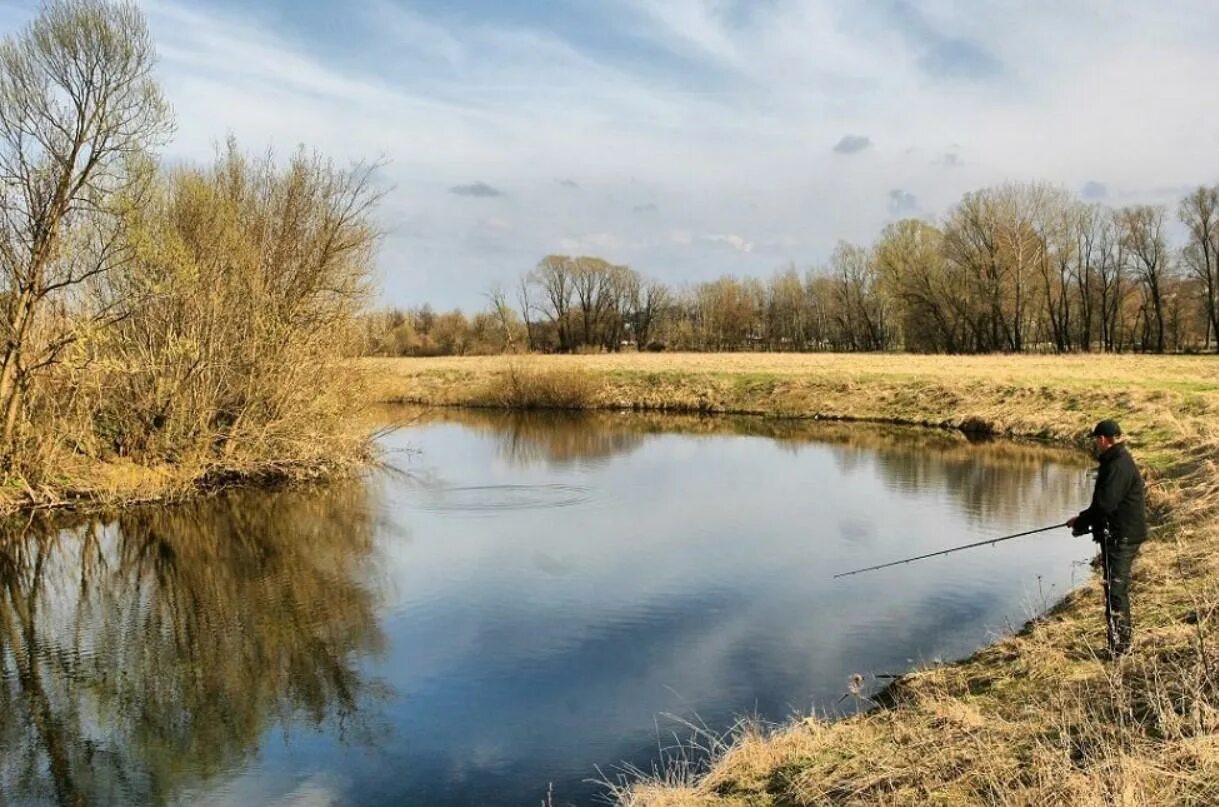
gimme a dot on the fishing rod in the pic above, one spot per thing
(953, 549)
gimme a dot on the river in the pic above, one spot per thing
(515, 603)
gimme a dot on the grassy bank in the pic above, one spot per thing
(315, 427)
(91, 483)
(1037, 718)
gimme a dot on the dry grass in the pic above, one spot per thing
(1037, 718)
(1132, 370)
(527, 386)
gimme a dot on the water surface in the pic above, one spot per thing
(525, 600)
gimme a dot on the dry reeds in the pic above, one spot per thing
(527, 387)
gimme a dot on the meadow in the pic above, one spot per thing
(1040, 717)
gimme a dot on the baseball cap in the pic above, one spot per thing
(1107, 428)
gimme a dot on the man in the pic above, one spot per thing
(1117, 519)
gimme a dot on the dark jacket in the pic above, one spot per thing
(1117, 503)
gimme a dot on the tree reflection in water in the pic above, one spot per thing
(142, 655)
(991, 479)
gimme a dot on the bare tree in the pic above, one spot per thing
(1019, 208)
(1199, 212)
(723, 314)
(1113, 288)
(503, 314)
(785, 311)
(934, 303)
(860, 308)
(1053, 223)
(623, 289)
(971, 247)
(524, 300)
(591, 279)
(1143, 237)
(1086, 226)
(555, 275)
(78, 111)
(652, 298)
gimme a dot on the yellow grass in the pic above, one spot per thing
(1079, 368)
(1038, 718)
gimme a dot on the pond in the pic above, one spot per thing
(516, 602)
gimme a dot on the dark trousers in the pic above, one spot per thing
(1117, 557)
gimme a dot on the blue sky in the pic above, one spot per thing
(691, 138)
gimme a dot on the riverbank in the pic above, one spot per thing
(90, 485)
(328, 437)
(1039, 717)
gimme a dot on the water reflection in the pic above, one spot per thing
(695, 580)
(492, 499)
(989, 479)
(143, 654)
(554, 439)
(533, 590)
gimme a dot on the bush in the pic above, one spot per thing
(527, 388)
(249, 279)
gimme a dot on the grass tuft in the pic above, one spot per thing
(529, 387)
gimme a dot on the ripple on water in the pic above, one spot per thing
(490, 499)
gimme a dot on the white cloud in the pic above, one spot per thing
(731, 241)
(590, 243)
(496, 223)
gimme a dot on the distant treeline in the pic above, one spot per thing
(1014, 268)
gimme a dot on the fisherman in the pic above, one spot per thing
(1117, 519)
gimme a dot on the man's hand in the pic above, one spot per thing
(1071, 521)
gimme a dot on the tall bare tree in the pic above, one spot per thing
(860, 308)
(1113, 269)
(503, 314)
(1053, 223)
(934, 304)
(1143, 236)
(1086, 226)
(623, 290)
(785, 311)
(555, 276)
(525, 301)
(724, 313)
(79, 109)
(971, 247)
(1199, 212)
(652, 298)
(591, 278)
(1020, 208)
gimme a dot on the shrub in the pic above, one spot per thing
(249, 278)
(519, 387)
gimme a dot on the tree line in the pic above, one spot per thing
(1019, 267)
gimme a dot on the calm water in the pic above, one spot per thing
(524, 601)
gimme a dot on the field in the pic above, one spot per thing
(1037, 718)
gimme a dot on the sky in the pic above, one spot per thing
(689, 138)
